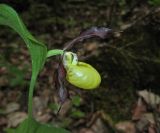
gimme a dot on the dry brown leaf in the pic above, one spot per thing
(86, 130)
(16, 118)
(3, 121)
(99, 126)
(139, 109)
(151, 129)
(149, 117)
(65, 108)
(38, 106)
(44, 118)
(126, 26)
(142, 124)
(150, 98)
(126, 127)
(11, 107)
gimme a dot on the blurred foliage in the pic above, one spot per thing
(76, 101)
(54, 107)
(75, 112)
(15, 76)
(126, 63)
(154, 2)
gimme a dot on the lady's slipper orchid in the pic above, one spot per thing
(77, 73)
(80, 74)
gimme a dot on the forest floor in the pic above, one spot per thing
(128, 99)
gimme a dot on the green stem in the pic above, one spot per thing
(33, 82)
(30, 99)
(54, 52)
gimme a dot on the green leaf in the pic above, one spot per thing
(10, 130)
(154, 2)
(77, 113)
(37, 127)
(38, 50)
(76, 101)
(54, 52)
(54, 107)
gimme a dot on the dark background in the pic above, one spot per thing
(129, 61)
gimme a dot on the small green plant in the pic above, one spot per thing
(73, 113)
(68, 66)
(76, 112)
(154, 2)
